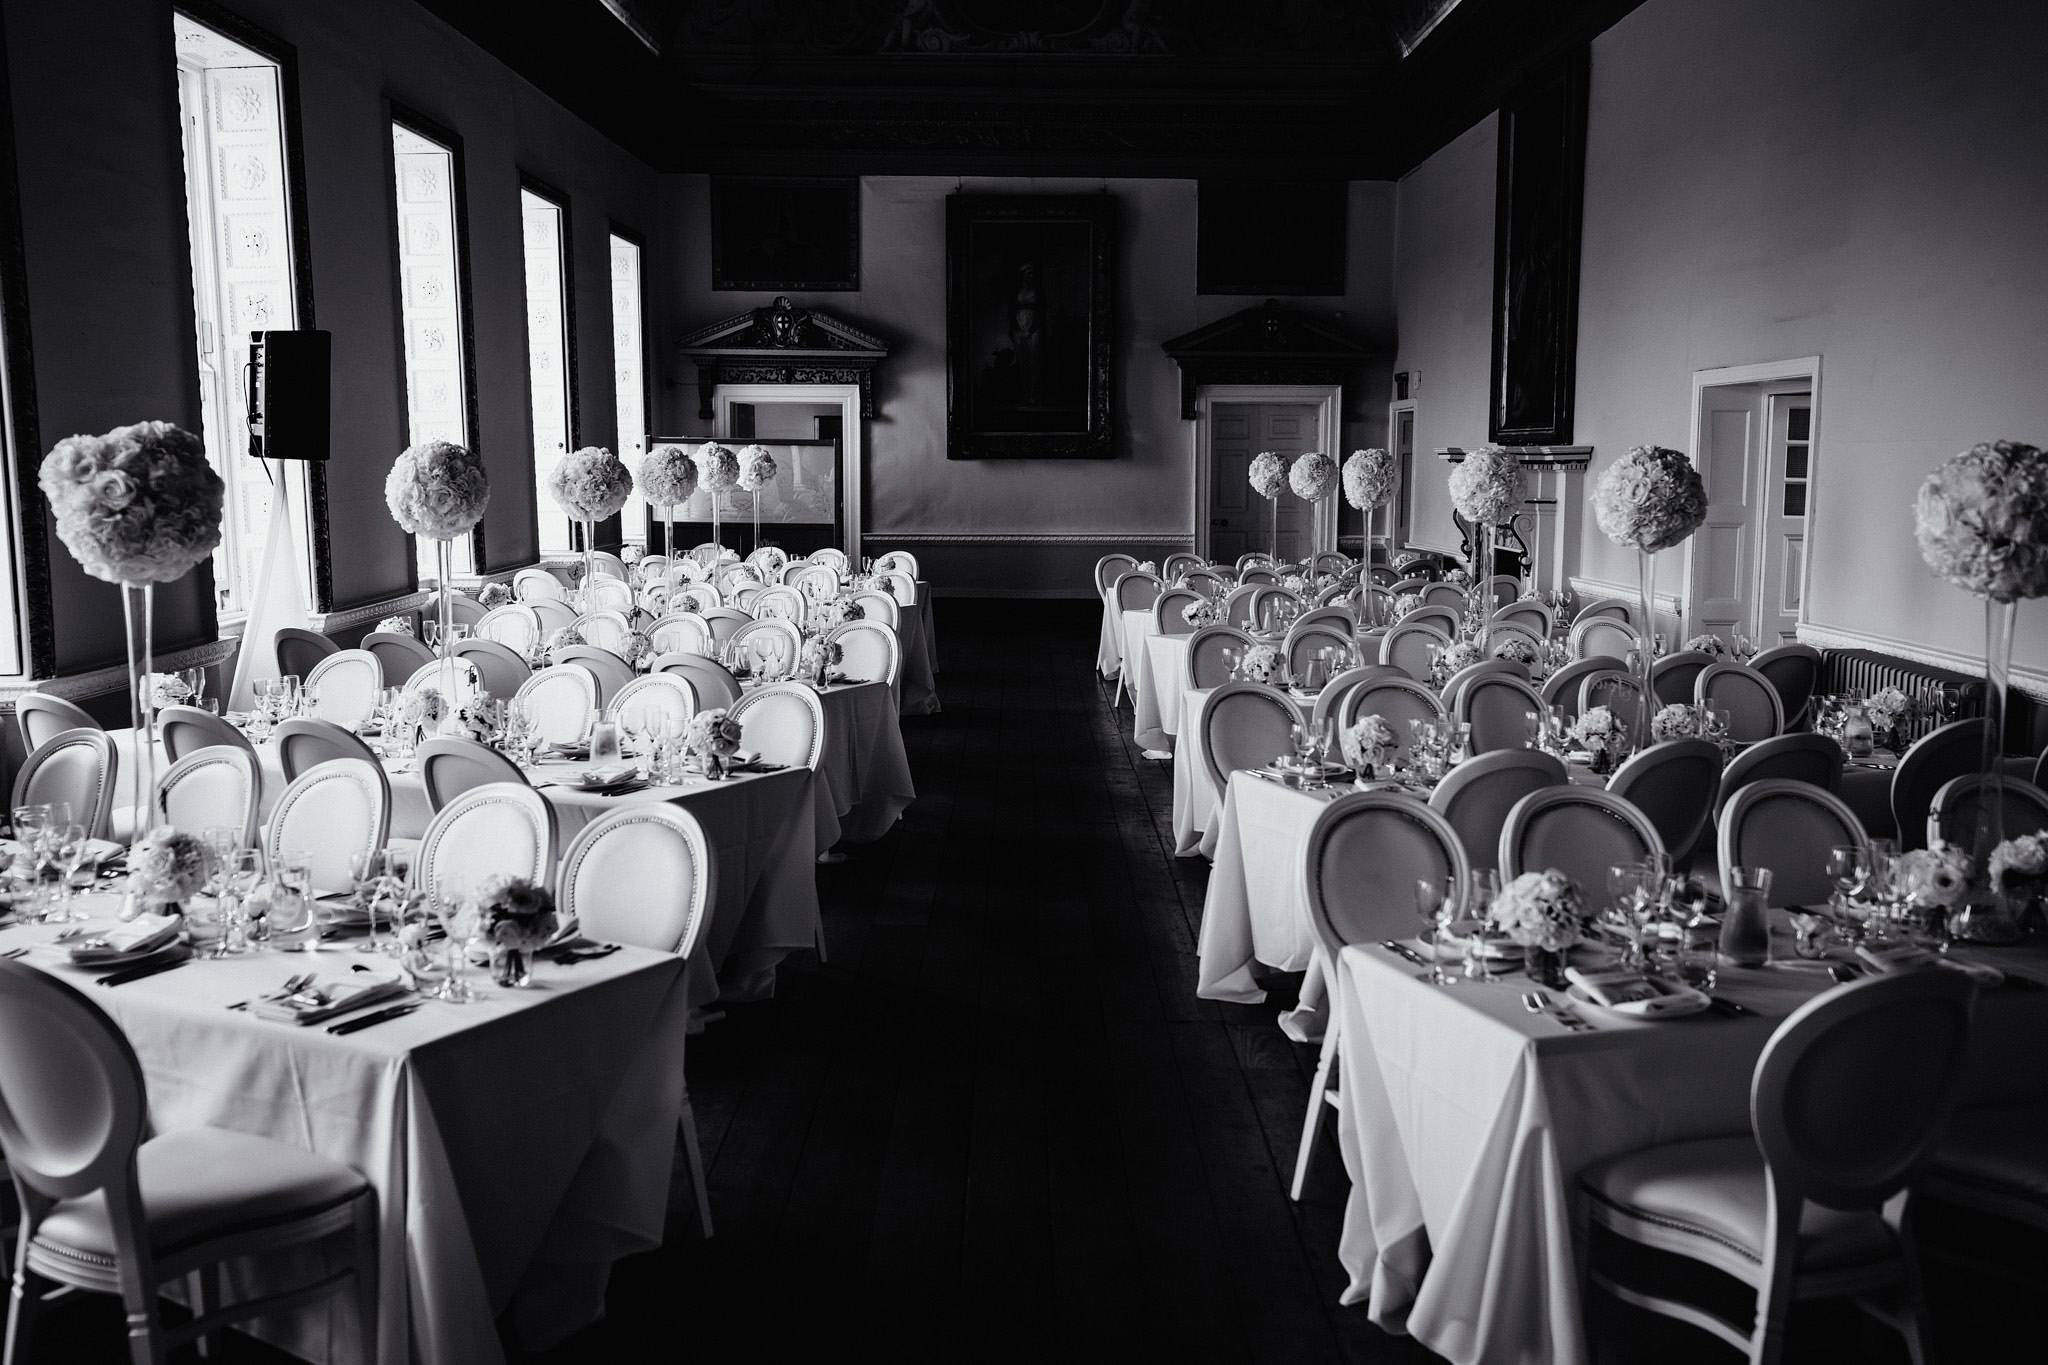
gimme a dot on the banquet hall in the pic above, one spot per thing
(1059, 679)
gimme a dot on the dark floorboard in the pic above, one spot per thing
(996, 1124)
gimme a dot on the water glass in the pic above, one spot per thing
(461, 920)
(294, 914)
(74, 848)
(1436, 908)
(1745, 921)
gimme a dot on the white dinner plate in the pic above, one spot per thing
(1678, 1003)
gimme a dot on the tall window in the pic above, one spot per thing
(13, 602)
(230, 98)
(430, 293)
(546, 223)
(629, 372)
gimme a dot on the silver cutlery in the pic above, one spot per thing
(1537, 1004)
(291, 987)
(1402, 950)
(364, 1021)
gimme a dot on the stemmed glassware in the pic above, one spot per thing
(1435, 906)
(461, 921)
(73, 848)
(370, 871)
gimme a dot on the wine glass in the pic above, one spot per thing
(74, 849)
(1435, 907)
(292, 905)
(461, 920)
(1849, 867)
(367, 871)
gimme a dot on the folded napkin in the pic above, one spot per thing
(143, 934)
(1633, 993)
(324, 1001)
(1906, 957)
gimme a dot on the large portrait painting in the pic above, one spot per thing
(781, 232)
(1030, 308)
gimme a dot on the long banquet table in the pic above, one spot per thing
(1464, 1121)
(519, 1145)
(918, 680)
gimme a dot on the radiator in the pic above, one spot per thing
(1868, 671)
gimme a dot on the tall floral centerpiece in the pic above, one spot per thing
(1312, 477)
(718, 469)
(1369, 486)
(1267, 476)
(1651, 499)
(1486, 488)
(138, 506)
(668, 478)
(439, 490)
(757, 471)
(590, 484)
(1982, 523)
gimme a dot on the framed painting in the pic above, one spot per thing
(785, 232)
(1270, 237)
(1030, 326)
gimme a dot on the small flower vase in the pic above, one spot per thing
(717, 524)
(1859, 738)
(1482, 591)
(757, 519)
(668, 545)
(511, 967)
(1274, 502)
(589, 550)
(1646, 650)
(1991, 916)
(138, 609)
(1546, 967)
(444, 613)
(1603, 760)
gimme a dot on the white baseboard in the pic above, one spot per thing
(2033, 682)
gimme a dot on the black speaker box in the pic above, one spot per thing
(289, 394)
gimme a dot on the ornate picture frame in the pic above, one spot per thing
(1030, 326)
(785, 232)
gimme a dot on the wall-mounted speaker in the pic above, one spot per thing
(289, 393)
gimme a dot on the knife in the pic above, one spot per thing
(126, 975)
(377, 1017)
(1401, 949)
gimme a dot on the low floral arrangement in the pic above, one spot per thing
(1458, 655)
(1935, 876)
(1674, 720)
(2020, 864)
(1982, 520)
(1651, 498)
(713, 736)
(835, 611)
(757, 468)
(396, 625)
(1887, 707)
(494, 595)
(473, 721)
(1295, 583)
(668, 476)
(1198, 613)
(818, 655)
(1369, 479)
(590, 484)
(1486, 486)
(633, 554)
(639, 649)
(1147, 566)
(1405, 603)
(516, 914)
(421, 708)
(1267, 474)
(1705, 644)
(1313, 476)
(1459, 578)
(1520, 648)
(167, 689)
(166, 867)
(437, 489)
(1261, 664)
(137, 505)
(717, 468)
(1540, 910)
(1598, 731)
(1368, 745)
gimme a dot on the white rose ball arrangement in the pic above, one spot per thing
(1651, 498)
(1313, 476)
(437, 489)
(757, 468)
(1486, 486)
(1267, 474)
(1369, 479)
(590, 484)
(137, 505)
(1982, 520)
(668, 476)
(718, 469)
(1674, 720)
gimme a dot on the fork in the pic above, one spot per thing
(292, 986)
(1536, 1004)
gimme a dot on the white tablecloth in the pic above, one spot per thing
(1194, 798)
(518, 1145)
(864, 774)
(918, 680)
(1255, 909)
(1109, 642)
(1465, 1120)
(1157, 676)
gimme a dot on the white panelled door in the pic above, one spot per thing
(1724, 550)
(1239, 519)
(1787, 486)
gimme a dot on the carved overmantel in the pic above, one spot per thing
(783, 343)
(1269, 343)
(1548, 525)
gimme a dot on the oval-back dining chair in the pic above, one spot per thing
(331, 813)
(1167, 611)
(498, 829)
(1394, 700)
(1612, 608)
(1788, 827)
(900, 561)
(399, 654)
(1236, 609)
(610, 671)
(1454, 686)
(187, 729)
(606, 629)
(900, 586)
(1477, 795)
(1306, 639)
(681, 630)
(668, 693)
(80, 767)
(817, 582)
(514, 625)
(459, 679)
(343, 687)
(869, 651)
(1412, 646)
(499, 670)
(450, 765)
(1672, 677)
(532, 584)
(1755, 711)
(299, 649)
(1942, 753)
(780, 603)
(463, 610)
(303, 743)
(217, 785)
(1108, 569)
(561, 700)
(696, 597)
(1579, 831)
(1802, 757)
(41, 717)
(711, 681)
(1329, 702)
(1444, 595)
(608, 594)
(1135, 591)
(783, 723)
(877, 605)
(1178, 563)
(1498, 706)
(1497, 591)
(554, 616)
(1243, 725)
(1794, 670)
(1205, 580)
(1601, 635)
(1442, 618)
(1675, 783)
(1206, 666)
(1614, 688)
(1959, 805)
(724, 621)
(1562, 687)
(771, 648)
(1532, 616)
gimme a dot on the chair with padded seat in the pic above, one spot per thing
(1442, 619)
(1308, 637)
(303, 742)
(1497, 591)
(454, 678)
(1135, 591)
(516, 625)
(1178, 563)
(450, 765)
(1412, 646)
(1329, 702)
(608, 594)
(332, 814)
(869, 651)
(903, 561)
(401, 655)
(298, 649)
(1579, 831)
(1942, 753)
(1958, 807)
(1396, 700)
(1675, 783)
(1535, 617)
(1168, 609)
(605, 628)
(219, 785)
(660, 849)
(499, 668)
(1672, 677)
(779, 603)
(343, 687)
(1592, 635)
(1755, 710)
(1205, 581)
(1787, 826)
(877, 605)
(498, 829)
(681, 630)
(1206, 667)
(1243, 725)
(711, 681)
(605, 665)
(667, 693)
(78, 767)
(463, 610)
(1363, 857)
(770, 648)
(1846, 1105)
(783, 722)
(1562, 687)
(1498, 705)
(186, 729)
(1477, 795)
(1803, 757)
(1454, 686)
(724, 621)
(554, 615)
(530, 585)
(106, 1209)
(1614, 688)
(1795, 671)
(561, 702)
(1444, 595)
(1612, 608)
(41, 717)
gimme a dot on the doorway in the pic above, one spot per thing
(1234, 423)
(1755, 432)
